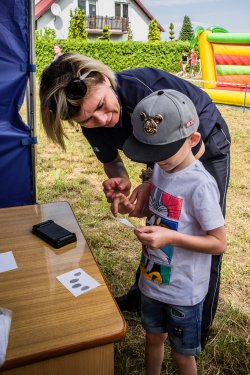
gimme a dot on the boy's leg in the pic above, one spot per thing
(154, 352)
(191, 70)
(183, 324)
(185, 364)
(153, 320)
(184, 332)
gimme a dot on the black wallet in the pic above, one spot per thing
(53, 234)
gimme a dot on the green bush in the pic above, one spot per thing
(154, 33)
(77, 27)
(118, 55)
(105, 34)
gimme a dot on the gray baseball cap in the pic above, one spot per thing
(161, 123)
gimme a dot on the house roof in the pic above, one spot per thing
(44, 5)
(150, 16)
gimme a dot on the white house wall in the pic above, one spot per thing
(105, 8)
(59, 23)
(139, 23)
(138, 19)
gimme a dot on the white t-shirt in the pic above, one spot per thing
(188, 202)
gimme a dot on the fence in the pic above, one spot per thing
(114, 23)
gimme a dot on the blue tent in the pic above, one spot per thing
(17, 167)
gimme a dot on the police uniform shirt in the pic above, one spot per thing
(133, 86)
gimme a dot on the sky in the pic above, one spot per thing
(232, 15)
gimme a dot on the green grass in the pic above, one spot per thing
(76, 176)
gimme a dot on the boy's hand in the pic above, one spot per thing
(121, 204)
(141, 196)
(114, 186)
(155, 236)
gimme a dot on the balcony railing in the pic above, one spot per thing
(114, 23)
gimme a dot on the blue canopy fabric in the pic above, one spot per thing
(16, 170)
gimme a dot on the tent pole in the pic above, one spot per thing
(31, 94)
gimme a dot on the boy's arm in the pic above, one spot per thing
(140, 198)
(214, 242)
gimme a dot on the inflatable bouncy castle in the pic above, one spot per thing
(225, 64)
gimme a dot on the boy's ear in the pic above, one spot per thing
(195, 139)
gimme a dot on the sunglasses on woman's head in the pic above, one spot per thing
(75, 89)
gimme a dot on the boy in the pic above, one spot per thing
(193, 62)
(185, 227)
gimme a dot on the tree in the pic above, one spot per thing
(46, 33)
(186, 32)
(130, 34)
(171, 31)
(77, 26)
(105, 34)
(154, 33)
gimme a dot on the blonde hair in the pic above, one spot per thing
(55, 105)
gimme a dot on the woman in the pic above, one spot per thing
(58, 51)
(80, 89)
(183, 64)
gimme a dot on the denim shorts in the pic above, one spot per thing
(182, 323)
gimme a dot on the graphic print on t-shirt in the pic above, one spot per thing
(167, 205)
(156, 264)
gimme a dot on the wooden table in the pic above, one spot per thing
(53, 332)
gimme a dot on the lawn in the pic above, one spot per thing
(76, 176)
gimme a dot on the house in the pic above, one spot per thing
(118, 14)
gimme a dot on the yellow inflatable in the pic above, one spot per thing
(225, 64)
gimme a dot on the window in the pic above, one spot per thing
(82, 5)
(121, 10)
(90, 5)
(125, 10)
(92, 8)
(117, 10)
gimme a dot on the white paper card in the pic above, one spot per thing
(5, 322)
(125, 222)
(7, 261)
(77, 281)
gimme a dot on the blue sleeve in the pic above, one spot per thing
(104, 151)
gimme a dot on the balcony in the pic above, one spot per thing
(117, 25)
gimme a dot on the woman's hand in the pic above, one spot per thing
(121, 204)
(114, 186)
(140, 196)
(155, 236)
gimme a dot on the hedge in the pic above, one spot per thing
(118, 55)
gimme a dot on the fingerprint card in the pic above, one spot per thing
(77, 281)
(124, 221)
(7, 261)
